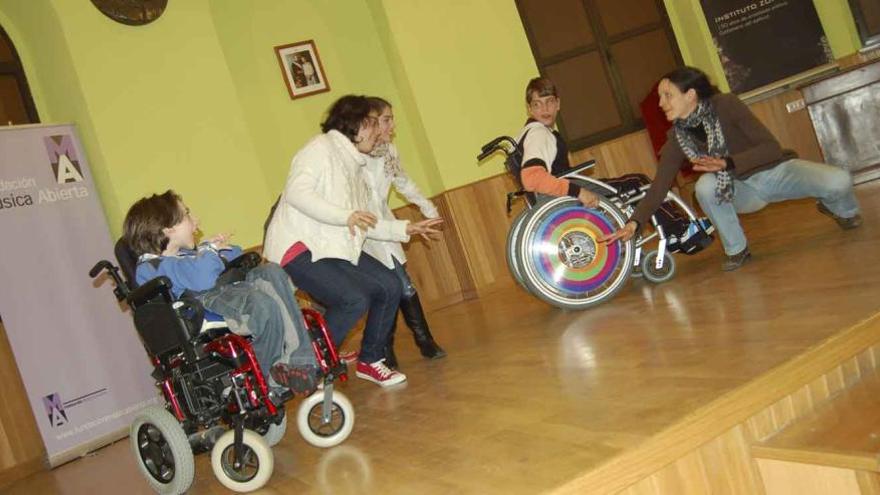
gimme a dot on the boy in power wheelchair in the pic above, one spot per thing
(161, 231)
(212, 378)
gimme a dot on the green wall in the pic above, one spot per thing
(54, 83)
(695, 40)
(195, 101)
(354, 61)
(158, 107)
(465, 66)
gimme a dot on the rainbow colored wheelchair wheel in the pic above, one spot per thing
(561, 259)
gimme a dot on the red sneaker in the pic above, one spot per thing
(379, 374)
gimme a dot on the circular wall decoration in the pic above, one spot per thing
(132, 12)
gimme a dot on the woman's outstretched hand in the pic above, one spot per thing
(624, 233)
(425, 228)
(363, 220)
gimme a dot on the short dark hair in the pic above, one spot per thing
(145, 220)
(541, 85)
(346, 115)
(687, 78)
(378, 104)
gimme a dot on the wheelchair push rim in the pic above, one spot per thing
(513, 237)
(562, 258)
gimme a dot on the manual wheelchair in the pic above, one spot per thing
(553, 249)
(216, 397)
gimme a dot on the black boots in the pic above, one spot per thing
(390, 357)
(414, 316)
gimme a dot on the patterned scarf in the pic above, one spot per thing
(392, 162)
(715, 145)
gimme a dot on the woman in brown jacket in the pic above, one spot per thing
(743, 166)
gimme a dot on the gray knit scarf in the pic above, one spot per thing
(715, 145)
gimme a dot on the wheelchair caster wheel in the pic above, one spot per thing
(322, 431)
(650, 271)
(256, 468)
(162, 449)
(274, 433)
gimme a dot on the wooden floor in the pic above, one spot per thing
(531, 397)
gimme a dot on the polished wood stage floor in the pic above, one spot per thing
(531, 397)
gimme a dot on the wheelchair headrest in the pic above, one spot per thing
(127, 261)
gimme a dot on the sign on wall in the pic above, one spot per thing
(763, 41)
(84, 369)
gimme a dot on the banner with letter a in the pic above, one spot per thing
(81, 361)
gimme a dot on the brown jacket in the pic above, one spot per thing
(750, 144)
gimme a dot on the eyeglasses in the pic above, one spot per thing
(541, 104)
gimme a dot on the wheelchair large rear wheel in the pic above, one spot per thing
(161, 448)
(256, 467)
(323, 431)
(563, 262)
(513, 235)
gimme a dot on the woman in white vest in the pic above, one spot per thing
(382, 171)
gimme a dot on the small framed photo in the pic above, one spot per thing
(302, 69)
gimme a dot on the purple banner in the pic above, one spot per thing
(81, 361)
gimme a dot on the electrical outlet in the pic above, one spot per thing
(795, 105)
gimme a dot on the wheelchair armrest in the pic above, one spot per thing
(159, 286)
(577, 169)
(237, 269)
(247, 260)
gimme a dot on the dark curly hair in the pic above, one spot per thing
(687, 78)
(347, 114)
(142, 228)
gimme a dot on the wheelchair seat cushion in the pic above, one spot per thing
(212, 321)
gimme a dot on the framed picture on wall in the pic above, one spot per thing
(302, 69)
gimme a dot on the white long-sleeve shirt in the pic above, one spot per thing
(325, 186)
(381, 172)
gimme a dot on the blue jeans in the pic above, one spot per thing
(348, 291)
(263, 306)
(792, 179)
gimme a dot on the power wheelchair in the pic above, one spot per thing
(216, 397)
(552, 248)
